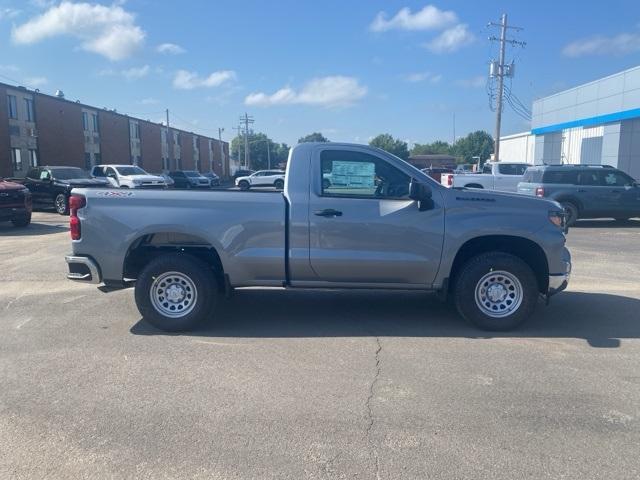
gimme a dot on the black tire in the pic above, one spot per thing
(244, 185)
(279, 184)
(474, 185)
(571, 210)
(124, 186)
(468, 287)
(21, 221)
(203, 289)
(61, 204)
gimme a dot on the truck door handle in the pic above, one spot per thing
(328, 212)
(581, 191)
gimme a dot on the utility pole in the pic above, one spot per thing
(268, 155)
(246, 119)
(239, 129)
(169, 146)
(220, 130)
(500, 70)
(454, 128)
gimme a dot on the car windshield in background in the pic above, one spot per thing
(69, 173)
(191, 173)
(130, 171)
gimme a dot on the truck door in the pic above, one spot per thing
(623, 194)
(592, 194)
(112, 176)
(364, 228)
(508, 176)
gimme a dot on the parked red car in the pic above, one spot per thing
(15, 203)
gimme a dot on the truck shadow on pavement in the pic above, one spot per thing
(600, 319)
(33, 229)
(606, 224)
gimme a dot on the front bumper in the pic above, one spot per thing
(559, 281)
(83, 269)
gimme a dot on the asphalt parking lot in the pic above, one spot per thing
(318, 385)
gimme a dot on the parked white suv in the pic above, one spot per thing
(128, 176)
(262, 178)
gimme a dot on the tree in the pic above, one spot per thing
(435, 148)
(392, 145)
(313, 137)
(258, 154)
(476, 144)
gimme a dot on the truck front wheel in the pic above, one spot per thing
(244, 185)
(496, 291)
(175, 292)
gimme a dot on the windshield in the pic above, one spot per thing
(131, 171)
(191, 173)
(69, 173)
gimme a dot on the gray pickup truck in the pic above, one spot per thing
(379, 223)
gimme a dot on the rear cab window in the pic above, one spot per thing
(532, 176)
(512, 168)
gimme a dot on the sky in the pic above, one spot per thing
(349, 69)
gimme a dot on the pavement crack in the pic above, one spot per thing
(370, 418)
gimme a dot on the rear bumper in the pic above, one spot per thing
(12, 213)
(83, 269)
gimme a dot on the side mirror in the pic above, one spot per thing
(421, 193)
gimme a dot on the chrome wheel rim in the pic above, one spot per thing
(173, 294)
(498, 294)
(60, 204)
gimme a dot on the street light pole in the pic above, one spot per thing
(220, 130)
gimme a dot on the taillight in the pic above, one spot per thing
(539, 192)
(75, 202)
(449, 180)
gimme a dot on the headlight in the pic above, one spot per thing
(558, 218)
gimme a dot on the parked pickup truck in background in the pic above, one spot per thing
(51, 186)
(501, 176)
(381, 223)
(128, 176)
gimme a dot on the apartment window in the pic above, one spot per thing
(85, 121)
(98, 158)
(165, 164)
(96, 123)
(87, 161)
(28, 103)
(33, 157)
(12, 106)
(16, 159)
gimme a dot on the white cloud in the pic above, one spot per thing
(429, 18)
(451, 39)
(35, 82)
(109, 31)
(621, 44)
(149, 101)
(170, 48)
(474, 82)
(136, 72)
(185, 80)
(132, 73)
(333, 91)
(422, 77)
(9, 13)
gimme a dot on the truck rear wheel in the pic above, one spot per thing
(278, 184)
(496, 291)
(175, 292)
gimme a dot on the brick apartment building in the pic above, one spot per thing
(40, 129)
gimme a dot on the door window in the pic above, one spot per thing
(111, 173)
(45, 175)
(360, 175)
(486, 169)
(33, 173)
(588, 178)
(98, 172)
(614, 179)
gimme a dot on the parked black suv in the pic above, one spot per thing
(51, 186)
(585, 191)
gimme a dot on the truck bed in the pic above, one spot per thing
(247, 229)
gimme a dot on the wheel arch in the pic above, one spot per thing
(474, 185)
(565, 198)
(525, 249)
(149, 246)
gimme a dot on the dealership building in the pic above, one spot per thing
(594, 123)
(41, 129)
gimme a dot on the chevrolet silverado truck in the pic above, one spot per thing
(380, 224)
(500, 176)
